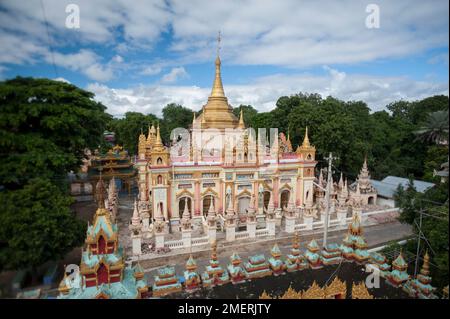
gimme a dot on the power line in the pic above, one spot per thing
(48, 39)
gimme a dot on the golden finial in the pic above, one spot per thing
(306, 139)
(158, 136)
(217, 89)
(218, 43)
(425, 271)
(241, 120)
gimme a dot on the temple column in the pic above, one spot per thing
(136, 243)
(169, 201)
(197, 198)
(221, 197)
(275, 183)
(299, 200)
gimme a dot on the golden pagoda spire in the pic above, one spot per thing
(158, 137)
(217, 89)
(306, 139)
(425, 271)
(241, 120)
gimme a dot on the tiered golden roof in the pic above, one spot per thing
(265, 295)
(314, 292)
(337, 287)
(359, 291)
(290, 293)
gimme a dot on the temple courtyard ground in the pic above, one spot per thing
(376, 235)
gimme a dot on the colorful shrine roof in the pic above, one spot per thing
(313, 246)
(275, 251)
(128, 288)
(399, 262)
(90, 260)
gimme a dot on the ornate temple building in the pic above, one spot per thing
(220, 175)
(102, 273)
(114, 163)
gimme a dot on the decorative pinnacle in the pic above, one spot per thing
(306, 139)
(218, 43)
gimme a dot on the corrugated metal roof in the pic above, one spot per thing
(388, 186)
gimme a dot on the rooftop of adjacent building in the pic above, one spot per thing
(388, 186)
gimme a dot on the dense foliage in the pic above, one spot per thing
(45, 126)
(434, 205)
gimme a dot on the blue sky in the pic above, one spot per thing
(141, 55)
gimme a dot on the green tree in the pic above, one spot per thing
(36, 225)
(435, 129)
(128, 128)
(174, 116)
(249, 115)
(45, 126)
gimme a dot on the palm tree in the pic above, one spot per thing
(435, 129)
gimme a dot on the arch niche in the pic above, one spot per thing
(182, 202)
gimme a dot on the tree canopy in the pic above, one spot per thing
(45, 127)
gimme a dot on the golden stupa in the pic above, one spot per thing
(217, 113)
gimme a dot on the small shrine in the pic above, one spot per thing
(354, 245)
(399, 274)
(276, 264)
(257, 267)
(237, 272)
(312, 255)
(380, 261)
(102, 273)
(115, 163)
(331, 254)
(192, 279)
(420, 287)
(165, 282)
(214, 274)
(295, 260)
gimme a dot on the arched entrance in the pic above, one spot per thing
(243, 203)
(207, 202)
(102, 274)
(181, 202)
(266, 198)
(371, 200)
(284, 198)
(101, 245)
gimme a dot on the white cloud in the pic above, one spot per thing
(439, 58)
(263, 92)
(61, 79)
(289, 33)
(151, 70)
(84, 61)
(174, 75)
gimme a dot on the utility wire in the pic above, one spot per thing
(48, 39)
